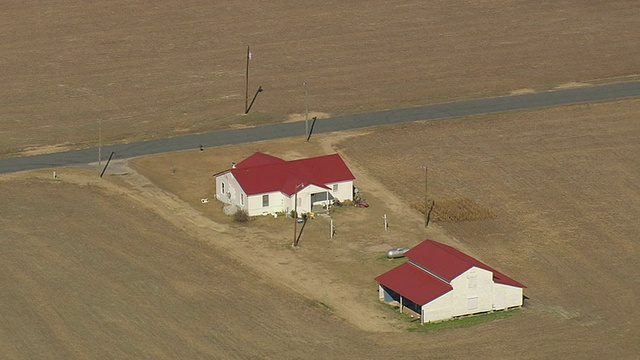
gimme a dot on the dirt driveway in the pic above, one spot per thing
(544, 176)
(134, 265)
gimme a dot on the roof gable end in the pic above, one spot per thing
(449, 263)
(258, 159)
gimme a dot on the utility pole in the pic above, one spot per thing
(332, 228)
(426, 203)
(306, 110)
(99, 143)
(246, 85)
(295, 214)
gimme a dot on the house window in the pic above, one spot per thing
(265, 200)
(222, 188)
(335, 188)
(241, 199)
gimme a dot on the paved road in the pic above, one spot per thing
(275, 131)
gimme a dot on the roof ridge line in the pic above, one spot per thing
(439, 277)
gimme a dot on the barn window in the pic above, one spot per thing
(472, 279)
(222, 188)
(241, 199)
(335, 187)
(265, 200)
(472, 302)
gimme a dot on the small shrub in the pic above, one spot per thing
(456, 210)
(241, 216)
(347, 203)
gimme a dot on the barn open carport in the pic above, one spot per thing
(411, 288)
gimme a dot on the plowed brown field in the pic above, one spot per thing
(147, 70)
(135, 266)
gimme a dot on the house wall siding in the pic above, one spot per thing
(345, 190)
(278, 201)
(304, 205)
(232, 189)
(275, 204)
(281, 202)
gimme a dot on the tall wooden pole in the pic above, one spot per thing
(99, 143)
(331, 229)
(295, 216)
(246, 86)
(426, 202)
(306, 111)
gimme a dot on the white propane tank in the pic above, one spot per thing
(397, 252)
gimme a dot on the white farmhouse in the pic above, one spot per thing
(439, 283)
(264, 184)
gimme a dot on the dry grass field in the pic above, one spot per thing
(559, 186)
(87, 273)
(148, 70)
(562, 184)
(134, 266)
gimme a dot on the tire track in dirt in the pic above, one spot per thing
(391, 201)
(286, 268)
(45, 317)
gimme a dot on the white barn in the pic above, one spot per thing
(439, 283)
(264, 184)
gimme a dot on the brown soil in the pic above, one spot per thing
(148, 71)
(136, 266)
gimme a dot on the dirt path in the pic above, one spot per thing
(285, 268)
(283, 265)
(391, 201)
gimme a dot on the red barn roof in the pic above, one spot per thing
(449, 263)
(414, 283)
(261, 173)
(443, 263)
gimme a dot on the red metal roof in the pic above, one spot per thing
(414, 283)
(449, 263)
(261, 173)
(421, 286)
(258, 159)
